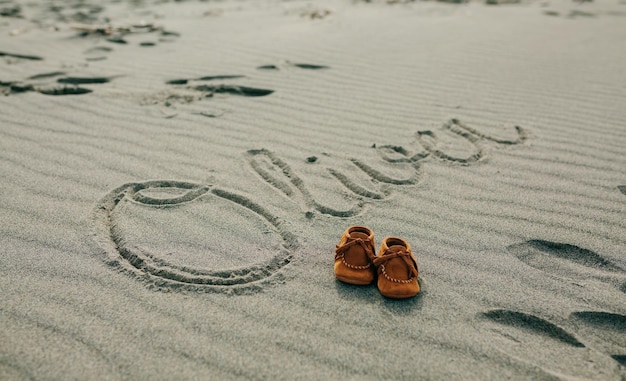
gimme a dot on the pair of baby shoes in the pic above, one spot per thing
(395, 266)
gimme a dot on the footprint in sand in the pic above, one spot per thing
(288, 64)
(532, 324)
(195, 89)
(19, 56)
(521, 335)
(42, 84)
(604, 320)
(469, 149)
(10, 10)
(568, 261)
(185, 81)
(523, 338)
(97, 53)
(244, 91)
(609, 327)
(622, 188)
(157, 231)
(620, 359)
(189, 90)
(121, 34)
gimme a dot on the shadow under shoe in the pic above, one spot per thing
(397, 269)
(354, 255)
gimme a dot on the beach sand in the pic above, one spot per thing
(176, 175)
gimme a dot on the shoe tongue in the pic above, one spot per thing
(358, 235)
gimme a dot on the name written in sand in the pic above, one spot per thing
(124, 217)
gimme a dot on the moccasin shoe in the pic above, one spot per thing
(354, 256)
(397, 269)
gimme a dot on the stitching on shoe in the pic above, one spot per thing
(382, 268)
(354, 267)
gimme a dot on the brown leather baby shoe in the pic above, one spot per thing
(354, 256)
(397, 269)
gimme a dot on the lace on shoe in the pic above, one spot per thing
(340, 252)
(405, 255)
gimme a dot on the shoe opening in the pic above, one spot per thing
(360, 232)
(395, 242)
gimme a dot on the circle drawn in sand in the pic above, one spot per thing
(238, 253)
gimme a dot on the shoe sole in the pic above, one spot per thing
(399, 296)
(353, 281)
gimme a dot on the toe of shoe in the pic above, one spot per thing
(398, 290)
(353, 276)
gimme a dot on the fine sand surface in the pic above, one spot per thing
(175, 176)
